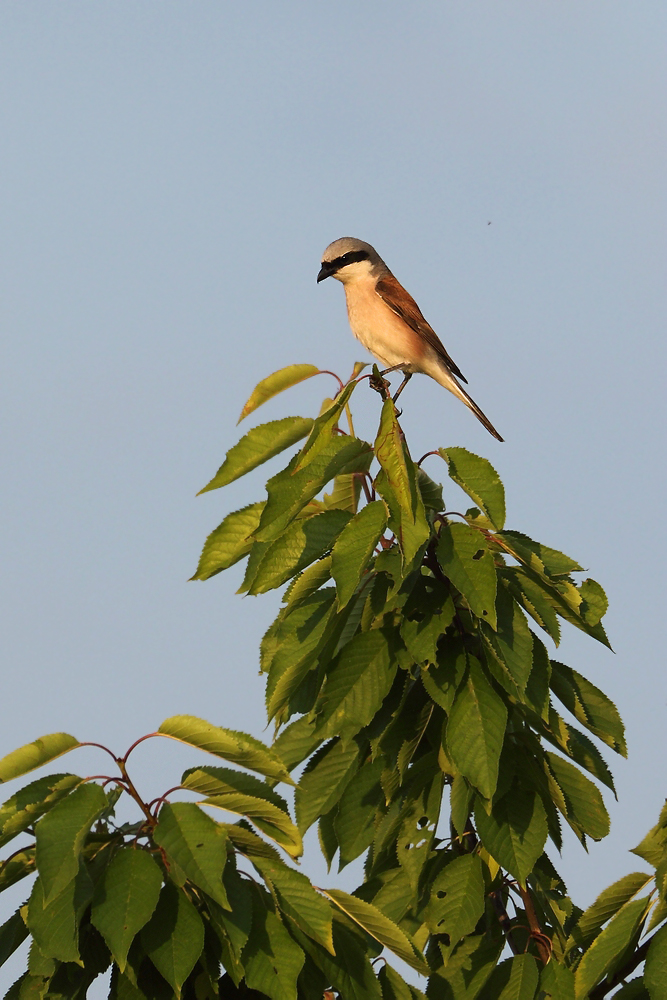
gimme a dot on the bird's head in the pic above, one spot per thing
(348, 259)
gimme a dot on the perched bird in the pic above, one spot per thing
(388, 321)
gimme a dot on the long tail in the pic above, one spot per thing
(446, 379)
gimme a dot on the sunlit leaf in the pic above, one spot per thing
(655, 970)
(35, 754)
(196, 843)
(258, 446)
(480, 481)
(354, 548)
(356, 686)
(289, 491)
(239, 748)
(298, 899)
(380, 927)
(324, 780)
(275, 383)
(269, 818)
(607, 946)
(60, 837)
(29, 803)
(300, 545)
(229, 542)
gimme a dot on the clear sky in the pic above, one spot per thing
(170, 174)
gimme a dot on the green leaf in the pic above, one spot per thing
(653, 847)
(290, 490)
(590, 706)
(422, 637)
(443, 680)
(356, 686)
(557, 982)
(307, 582)
(608, 946)
(397, 484)
(16, 867)
(258, 446)
(523, 978)
(60, 836)
(349, 972)
(301, 544)
(477, 477)
(12, 934)
(275, 383)
(512, 643)
(540, 557)
(233, 926)
(395, 988)
(270, 819)
(467, 969)
(655, 970)
(431, 492)
(594, 602)
(271, 958)
(300, 637)
(174, 936)
(324, 427)
(196, 844)
(475, 731)
(384, 930)
(32, 801)
(232, 540)
(298, 899)
(466, 560)
(457, 898)
(515, 832)
(354, 548)
(54, 925)
(239, 748)
(35, 754)
(585, 807)
(634, 990)
(124, 899)
(354, 823)
(296, 741)
(605, 906)
(532, 598)
(324, 780)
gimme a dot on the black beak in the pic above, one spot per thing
(325, 272)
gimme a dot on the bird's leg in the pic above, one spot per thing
(408, 376)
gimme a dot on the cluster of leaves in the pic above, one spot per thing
(408, 679)
(177, 903)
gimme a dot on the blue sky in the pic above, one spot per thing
(170, 176)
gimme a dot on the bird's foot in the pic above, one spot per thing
(380, 384)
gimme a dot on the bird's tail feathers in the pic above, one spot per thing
(447, 380)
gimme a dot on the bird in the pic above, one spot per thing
(389, 323)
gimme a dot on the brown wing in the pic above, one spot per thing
(401, 302)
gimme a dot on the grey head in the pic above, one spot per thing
(347, 252)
